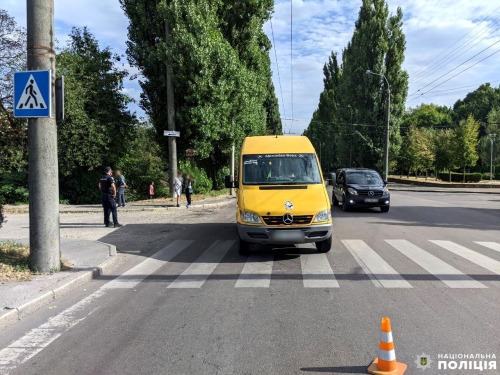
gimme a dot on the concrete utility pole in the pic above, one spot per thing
(492, 139)
(45, 254)
(172, 144)
(387, 125)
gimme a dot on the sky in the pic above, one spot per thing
(445, 43)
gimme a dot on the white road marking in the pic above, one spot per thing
(39, 338)
(198, 272)
(379, 271)
(443, 271)
(317, 272)
(491, 245)
(135, 275)
(479, 259)
(256, 272)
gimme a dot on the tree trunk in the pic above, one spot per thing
(464, 175)
(426, 174)
(408, 173)
(449, 175)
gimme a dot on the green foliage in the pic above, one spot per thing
(444, 149)
(459, 177)
(203, 184)
(416, 151)
(97, 127)
(477, 103)
(80, 187)
(428, 116)
(143, 164)
(219, 58)
(2, 219)
(353, 97)
(466, 142)
(14, 187)
(221, 176)
(492, 127)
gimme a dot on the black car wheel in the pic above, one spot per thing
(335, 200)
(384, 209)
(244, 248)
(345, 207)
(324, 246)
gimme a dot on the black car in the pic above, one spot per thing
(359, 187)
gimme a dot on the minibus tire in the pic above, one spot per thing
(324, 246)
(244, 248)
(335, 200)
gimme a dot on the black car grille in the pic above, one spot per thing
(365, 193)
(278, 220)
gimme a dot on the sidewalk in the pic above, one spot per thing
(154, 205)
(87, 259)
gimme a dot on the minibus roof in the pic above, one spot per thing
(281, 144)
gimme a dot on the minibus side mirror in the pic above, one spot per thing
(385, 182)
(229, 183)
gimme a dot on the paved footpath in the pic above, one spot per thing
(182, 301)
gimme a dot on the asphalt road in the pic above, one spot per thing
(185, 302)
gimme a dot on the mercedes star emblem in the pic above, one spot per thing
(288, 219)
(371, 193)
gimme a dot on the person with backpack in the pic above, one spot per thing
(188, 188)
(120, 188)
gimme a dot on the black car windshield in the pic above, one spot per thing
(367, 178)
(280, 169)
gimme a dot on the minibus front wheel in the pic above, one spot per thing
(324, 246)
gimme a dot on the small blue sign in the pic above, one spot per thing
(32, 94)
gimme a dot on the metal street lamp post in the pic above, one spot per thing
(492, 139)
(388, 118)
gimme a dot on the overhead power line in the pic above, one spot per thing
(458, 73)
(457, 88)
(453, 55)
(291, 52)
(467, 33)
(458, 66)
(278, 68)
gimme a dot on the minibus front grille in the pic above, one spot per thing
(278, 220)
(284, 187)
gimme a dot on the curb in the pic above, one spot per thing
(444, 191)
(16, 314)
(138, 209)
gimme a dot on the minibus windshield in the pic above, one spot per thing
(280, 169)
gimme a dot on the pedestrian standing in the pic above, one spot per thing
(121, 185)
(178, 181)
(108, 194)
(152, 190)
(188, 189)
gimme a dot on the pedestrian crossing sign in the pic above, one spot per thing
(32, 94)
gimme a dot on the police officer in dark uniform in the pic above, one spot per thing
(108, 194)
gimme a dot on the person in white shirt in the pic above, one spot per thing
(178, 181)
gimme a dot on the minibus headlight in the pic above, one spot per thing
(250, 217)
(321, 216)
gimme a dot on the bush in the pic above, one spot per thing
(459, 177)
(14, 187)
(486, 176)
(80, 187)
(203, 184)
(221, 177)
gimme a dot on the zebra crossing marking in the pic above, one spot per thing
(475, 257)
(442, 270)
(491, 245)
(379, 271)
(199, 271)
(256, 272)
(135, 275)
(314, 265)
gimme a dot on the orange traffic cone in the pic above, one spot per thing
(386, 361)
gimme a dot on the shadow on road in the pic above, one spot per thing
(335, 370)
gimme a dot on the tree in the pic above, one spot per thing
(219, 56)
(477, 103)
(466, 141)
(492, 127)
(428, 116)
(378, 44)
(13, 132)
(97, 127)
(445, 156)
(416, 152)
